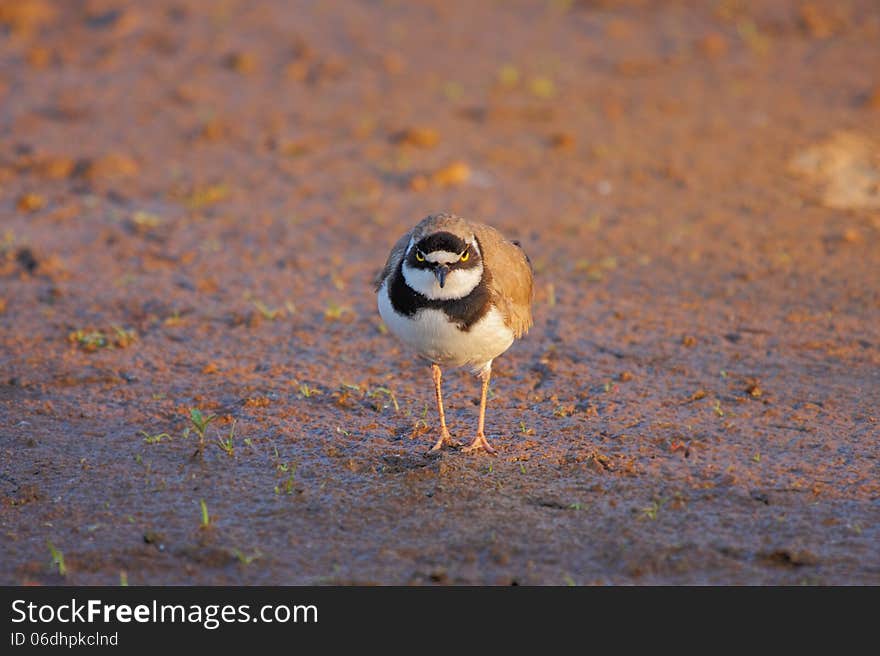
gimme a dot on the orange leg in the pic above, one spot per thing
(445, 438)
(480, 441)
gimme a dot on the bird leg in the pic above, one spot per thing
(445, 437)
(480, 441)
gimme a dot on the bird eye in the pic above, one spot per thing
(464, 256)
(419, 256)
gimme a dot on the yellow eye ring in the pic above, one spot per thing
(419, 256)
(464, 256)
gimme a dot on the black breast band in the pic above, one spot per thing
(464, 311)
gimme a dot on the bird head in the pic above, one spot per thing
(443, 264)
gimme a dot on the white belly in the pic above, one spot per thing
(430, 334)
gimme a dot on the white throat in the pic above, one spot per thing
(459, 282)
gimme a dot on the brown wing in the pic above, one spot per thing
(394, 258)
(511, 285)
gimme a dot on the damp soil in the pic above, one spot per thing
(195, 198)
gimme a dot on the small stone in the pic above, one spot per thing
(418, 183)
(111, 165)
(39, 57)
(24, 16)
(817, 21)
(421, 137)
(618, 28)
(713, 45)
(215, 129)
(452, 175)
(791, 557)
(294, 147)
(26, 259)
(851, 235)
(187, 93)
(297, 70)
(393, 63)
(54, 168)
(562, 140)
(30, 203)
(240, 62)
(329, 68)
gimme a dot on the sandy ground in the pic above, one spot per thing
(195, 197)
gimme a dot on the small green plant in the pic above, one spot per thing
(154, 439)
(334, 311)
(175, 319)
(206, 518)
(244, 558)
(575, 506)
(123, 579)
(270, 314)
(207, 195)
(524, 430)
(307, 392)
(226, 443)
(522, 468)
(200, 425)
(57, 558)
(384, 390)
(286, 487)
(88, 340)
(717, 409)
(650, 512)
(122, 337)
(92, 340)
(288, 468)
(564, 410)
(420, 427)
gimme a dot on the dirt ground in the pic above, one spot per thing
(195, 197)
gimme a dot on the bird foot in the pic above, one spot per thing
(445, 440)
(480, 442)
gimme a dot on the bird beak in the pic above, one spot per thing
(441, 272)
